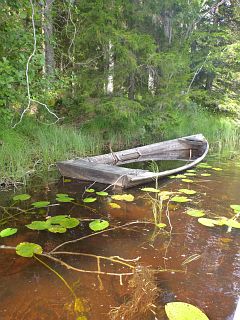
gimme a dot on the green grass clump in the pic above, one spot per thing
(32, 146)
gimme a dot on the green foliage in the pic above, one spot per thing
(8, 232)
(98, 225)
(183, 311)
(28, 249)
(21, 197)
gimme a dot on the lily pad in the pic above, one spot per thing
(61, 195)
(102, 193)
(178, 176)
(8, 232)
(183, 311)
(195, 213)
(89, 200)
(217, 169)
(67, 180)
(28, 249)
(90, 190)
(204, 166)
(98, 225)
(189, 174)
(124, 197)
(22, 197)
(64, 199)
(161, 225)
(187, 180)
(235, 207)
(114, 205)
(57, 229)
(150, 190)
(180, 199)
(40, 204)
(38, 225)
(187, 191)
(232, 223)
(205, 174)
(57, 219)
(191, 170)
(70, 223)
(208, 222)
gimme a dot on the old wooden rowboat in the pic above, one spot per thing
(106, 168)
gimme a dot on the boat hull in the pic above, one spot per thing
(105, 168)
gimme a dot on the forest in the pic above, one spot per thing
(80, 76)
(137, 104)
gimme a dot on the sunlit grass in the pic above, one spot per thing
(33, 146)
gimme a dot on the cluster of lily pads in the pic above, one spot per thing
(192, 172)
(61, 223)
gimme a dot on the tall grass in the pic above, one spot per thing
(223, 133)
(33, 146)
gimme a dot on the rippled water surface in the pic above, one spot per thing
(29, 290)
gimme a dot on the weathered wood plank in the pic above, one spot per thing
(103, 173)
(105, 169)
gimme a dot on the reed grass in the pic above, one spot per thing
(34, 147)
(221, 131)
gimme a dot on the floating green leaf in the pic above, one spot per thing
(189, 174)
(195, 213)
(70, 223)
(38, 225)
(40, 204)
(208, 222)
(57, 219)
(166, 194)
(28, 249)
(205, 174)
(102, 193)
(161, 225)
(89, 200)
(235, 207)
(232, 223)
(187, 180)
(90, 190)
(187, 191)
(21, 197)
(192, 170)
(98, 225)
(217, 169)
(62, 195)
(124, 197)
(67, 180)
(204, 166)
(183, 311)
(57, 229)
(64, 199)
(180, 199)
(8, 232)
(178, 176)
(150, 190)
(114, 205)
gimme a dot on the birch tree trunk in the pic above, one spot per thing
(47, 29)
(109, 88)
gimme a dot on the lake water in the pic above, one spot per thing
(210, 281)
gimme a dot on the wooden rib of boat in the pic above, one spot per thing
(106, 168)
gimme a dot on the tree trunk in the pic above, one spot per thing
(47, 29)
(151, 82)
(110, 68)
(131, 89)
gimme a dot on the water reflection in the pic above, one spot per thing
(29, 291)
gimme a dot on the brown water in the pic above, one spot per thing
(30, 291)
